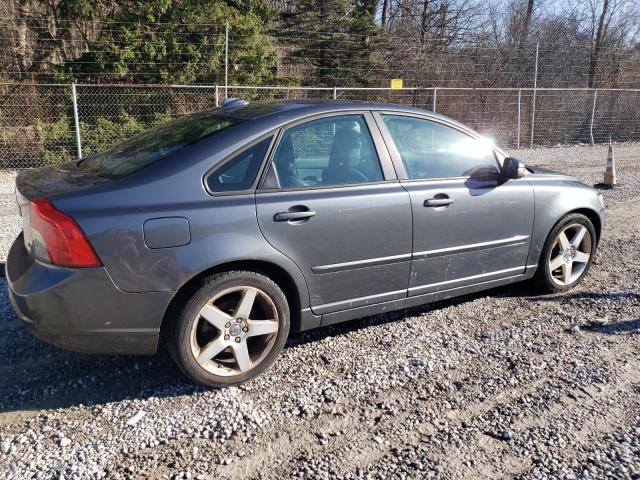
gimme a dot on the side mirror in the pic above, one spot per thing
(512, 168)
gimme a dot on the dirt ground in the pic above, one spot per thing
(501, 384)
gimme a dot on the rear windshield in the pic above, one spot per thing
(156, 143)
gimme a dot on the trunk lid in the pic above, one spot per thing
(47, 182)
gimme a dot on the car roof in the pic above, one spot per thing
(292, 109)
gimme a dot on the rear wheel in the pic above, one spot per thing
(231, 329)
(567, 254)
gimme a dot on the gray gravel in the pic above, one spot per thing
(504, 383)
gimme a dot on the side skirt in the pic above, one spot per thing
(365, 311)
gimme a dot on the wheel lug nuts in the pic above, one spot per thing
(245, 329)
(237, 339)
(226, 337)
(227, 325)
(239, 320)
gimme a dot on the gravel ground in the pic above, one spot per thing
(505, 383)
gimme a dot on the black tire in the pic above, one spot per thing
(543, 277)
(179, 338)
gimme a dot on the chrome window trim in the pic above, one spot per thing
(499, 155)
(386, 164)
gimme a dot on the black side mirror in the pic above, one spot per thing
(512, 168)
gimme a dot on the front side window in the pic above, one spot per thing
(433, 150)
(239, 172)
(330, 151)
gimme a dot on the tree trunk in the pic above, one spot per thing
(526, 25)
(424, 21)
(385, 12)
(597, 45)
(21, 33)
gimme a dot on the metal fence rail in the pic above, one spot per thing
(46, 124)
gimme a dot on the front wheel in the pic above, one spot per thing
(231, 329)
(567, 254)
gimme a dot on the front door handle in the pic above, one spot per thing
(439, 200)
(289, 216)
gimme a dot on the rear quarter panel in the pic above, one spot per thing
(222, 228)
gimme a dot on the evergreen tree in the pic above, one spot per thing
(337, 42)
(180, 41)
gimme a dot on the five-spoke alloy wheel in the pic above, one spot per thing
(231, 329)
(571, 254)
(567, 254)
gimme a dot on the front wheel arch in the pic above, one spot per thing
(542, 277)
(591, 215)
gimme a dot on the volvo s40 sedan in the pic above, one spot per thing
(224, 230)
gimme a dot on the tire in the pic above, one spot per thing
(553, 280)
(201, 328)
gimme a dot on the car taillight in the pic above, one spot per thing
(64, 241)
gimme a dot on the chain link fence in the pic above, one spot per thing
(47, 124)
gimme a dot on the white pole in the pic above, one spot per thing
(593, 113)
(535, 86)
(76, 120)
(335, 93)
(226, 58)
(435, 95)
(217, 101)
(518, 132)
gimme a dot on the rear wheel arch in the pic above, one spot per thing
(276, 273)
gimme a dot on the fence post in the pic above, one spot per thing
(335, 93)
(518, 123)
(226, 58)
(435, 95)
(76, 120)
(535, 87)
(217, 101)
(593, 113)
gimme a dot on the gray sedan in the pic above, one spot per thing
(223, 231)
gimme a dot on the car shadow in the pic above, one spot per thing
(35, 376)
(625, 327)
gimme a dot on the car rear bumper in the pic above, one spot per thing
(81, 309)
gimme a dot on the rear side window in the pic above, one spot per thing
(239, 172)
(335, 150)
(433, 150)
(156, 143)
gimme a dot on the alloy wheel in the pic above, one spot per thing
(570, 254)
(234, 331)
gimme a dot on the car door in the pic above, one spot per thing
(332, 203)
(470, 225)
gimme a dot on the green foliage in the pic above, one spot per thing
(181, 41)
(106, 132)
(57, 141)
(58, 138)
(339, 39)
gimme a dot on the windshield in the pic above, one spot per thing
(156, 143)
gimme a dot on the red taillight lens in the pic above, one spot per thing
(63, 239)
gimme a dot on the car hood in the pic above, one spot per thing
(544, 171)
(541, 172)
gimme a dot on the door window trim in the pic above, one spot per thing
(394, 154)
(386, 164)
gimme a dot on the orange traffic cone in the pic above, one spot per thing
(610, 172)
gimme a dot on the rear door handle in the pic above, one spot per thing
(288, 216)
(439, 200)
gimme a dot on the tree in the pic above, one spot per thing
(335, 42)
(173, 41)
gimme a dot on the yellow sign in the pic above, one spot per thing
(396, 84)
